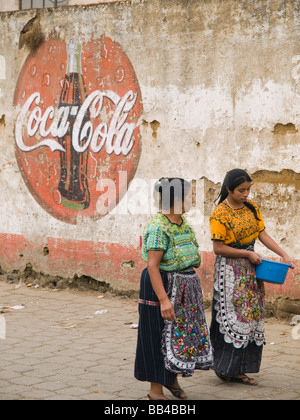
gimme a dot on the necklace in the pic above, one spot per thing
(234, 211)
(227, 202)
(237, 215)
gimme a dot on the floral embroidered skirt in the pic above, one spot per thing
(185, 343)
(237, 329)
(165, 349)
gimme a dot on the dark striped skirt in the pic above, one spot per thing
(149, 361)
(165, 349)
(228, 360)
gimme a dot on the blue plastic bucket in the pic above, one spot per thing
(272, 271)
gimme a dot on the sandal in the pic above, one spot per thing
(155, 399)
(177, 392)
(244, 379)
(223, 378)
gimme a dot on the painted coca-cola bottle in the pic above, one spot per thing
(73, 185)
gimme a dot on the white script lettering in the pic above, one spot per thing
(117, 136)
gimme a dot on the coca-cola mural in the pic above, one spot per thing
(77, 124)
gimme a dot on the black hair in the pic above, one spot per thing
(233, 179)
(171, 188)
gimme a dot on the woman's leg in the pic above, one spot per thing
(156, 392)
(177, 391)
(149, 362)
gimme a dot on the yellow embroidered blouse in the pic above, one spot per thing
(235, 225)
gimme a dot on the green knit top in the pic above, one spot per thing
(178, 243)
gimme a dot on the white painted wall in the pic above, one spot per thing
(87, 2)
(7, 6)
(217, 77)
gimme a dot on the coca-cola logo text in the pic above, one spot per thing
(78, 107)
(116, 136)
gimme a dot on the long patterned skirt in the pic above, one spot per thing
(237, 328)
(165, 349)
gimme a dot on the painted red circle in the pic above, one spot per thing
(110, 161)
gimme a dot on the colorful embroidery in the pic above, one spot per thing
(178, 243)
(149, 302)
(181, 331)
(247, 300)
(186, 343)
(240, 301)
(235, 225)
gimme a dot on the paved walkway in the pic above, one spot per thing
(57, 348)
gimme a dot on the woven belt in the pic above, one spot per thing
(149, 302)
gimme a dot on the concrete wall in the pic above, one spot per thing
(214, 85)
(85, 2)
(9, 5)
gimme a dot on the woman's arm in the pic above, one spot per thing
(266, 239)
(166, 307)
(227, 251)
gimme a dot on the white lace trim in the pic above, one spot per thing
(235, 332)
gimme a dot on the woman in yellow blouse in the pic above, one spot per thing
(237, 328)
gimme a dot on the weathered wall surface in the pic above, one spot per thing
(85, 2)
(215, 85)
(8, 6)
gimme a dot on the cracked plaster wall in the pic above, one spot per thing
(220, 83)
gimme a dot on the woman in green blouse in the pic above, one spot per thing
(173, 337)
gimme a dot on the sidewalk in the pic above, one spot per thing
(57, 348)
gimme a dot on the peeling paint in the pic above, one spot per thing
(203, 114)
(2, 120)
(285, 128)
(2, 68)
(155, 126)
